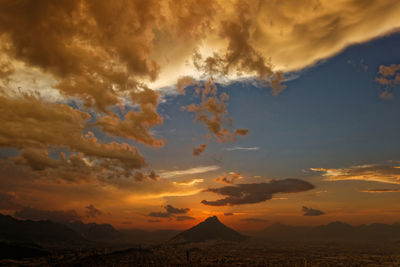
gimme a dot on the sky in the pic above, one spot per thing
(158, 114)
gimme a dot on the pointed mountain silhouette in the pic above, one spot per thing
(210, 229)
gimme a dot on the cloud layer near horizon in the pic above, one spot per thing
(254, 193)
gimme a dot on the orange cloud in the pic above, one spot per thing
(377, 173)
(378, 191)
(388, 77)
(241, 132)
(198, 150)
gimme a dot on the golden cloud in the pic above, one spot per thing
(376, 173)
(388, 77)
(381, 190)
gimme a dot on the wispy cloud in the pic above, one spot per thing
(189, 182)
(243, 148)
(374, 191)
(376, 173)
(195, 170)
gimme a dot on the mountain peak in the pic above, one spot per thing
(210, 229)
(212, 219)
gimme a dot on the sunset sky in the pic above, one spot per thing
(158, 114)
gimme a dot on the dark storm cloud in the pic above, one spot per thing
(52, 215)
(311, 212)
(255, 193)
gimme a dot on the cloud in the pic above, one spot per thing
(153, 221)
(241, 132)
(170, 211)
(198, 150)
(34, 126)
(195, 170)
(255, 193)
(382, 190)
(229, 214)
(376, 173)
(184, 82)
(136, 125)
(184, 218)
(243, 148)
(311, 212)
(159, 214)
(212, 112)
(189, 182)
(52, 215)
(155, 39)
(92, 211)
(255, 220)
(149, 44)
(229, 178)
(388, 77)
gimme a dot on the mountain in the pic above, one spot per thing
(210, 229)
(332, 232)
(14, 230)
(95, 232)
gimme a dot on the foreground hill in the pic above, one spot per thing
(210, 229)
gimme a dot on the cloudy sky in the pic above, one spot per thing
(158, 114)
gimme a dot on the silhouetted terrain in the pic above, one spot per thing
(96, 232)
(21, 251)
(148, 237)
(210, 229)
(15, 230)
(333, 232)
(209, 243)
